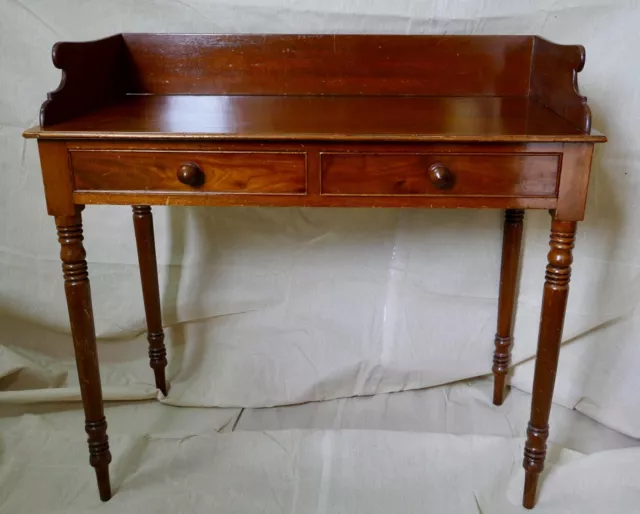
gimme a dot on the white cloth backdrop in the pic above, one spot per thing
(279, 306)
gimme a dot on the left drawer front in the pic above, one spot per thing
(221, 172)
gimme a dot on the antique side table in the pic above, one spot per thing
(318, 120)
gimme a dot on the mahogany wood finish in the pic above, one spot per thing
(440, 176)
(554, 81)
(93, 74)
(271, 200)
(466, 174)
(117, 153)
(201, 171)
(574, 181)
(56, 176)
(330, 64)
(319, 121)
(190, 174)
(511, 243)
(145, 241)
(76, 285)
(554, 304)
(321, 118)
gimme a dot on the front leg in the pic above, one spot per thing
(554, 305)
(76, 285)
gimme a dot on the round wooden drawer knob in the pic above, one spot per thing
(190, 174)
(440, 176)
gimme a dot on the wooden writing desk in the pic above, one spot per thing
(363, 121)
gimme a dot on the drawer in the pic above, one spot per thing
(463, 174)
(189, 171)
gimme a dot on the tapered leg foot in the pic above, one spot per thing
(145, 241)
(78, 292)
(530, 488)
(511, 244)
(534, 454)
(554, 305)
(100, 456)
(158, 359)
(501, 358)
(104, 484)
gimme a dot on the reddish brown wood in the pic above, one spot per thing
(212, 172)
(511, 243)
(427, 202)
(440, 176)
(301, 146)
(190, 174)
(554, 81)
(476, 174)
(76, 285)
(94, 73)
(554, 304)
(328, 64)
(275, 71)
(56, 177)
(145, 241)
(122, 171)
(574, 181)
(325, 118)
(517, 75)
(327, 121)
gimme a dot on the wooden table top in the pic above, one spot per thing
(401, 118)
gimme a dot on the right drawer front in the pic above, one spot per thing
(510, 175)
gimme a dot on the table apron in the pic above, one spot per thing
(501, 176)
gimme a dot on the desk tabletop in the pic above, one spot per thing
(318, 87)
(357, 118)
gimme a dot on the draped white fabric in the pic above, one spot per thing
(443, 449)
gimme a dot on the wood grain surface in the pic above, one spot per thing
(319, 121)
(341, 118)
(94, 73)
(554, 81)
(327, 64)
(479, 174)
(554, 305)
(223, 172)
(511, 244)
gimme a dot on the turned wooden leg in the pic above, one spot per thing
(76, 284)
(511, 243)
(143, 225)
(554, 304)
